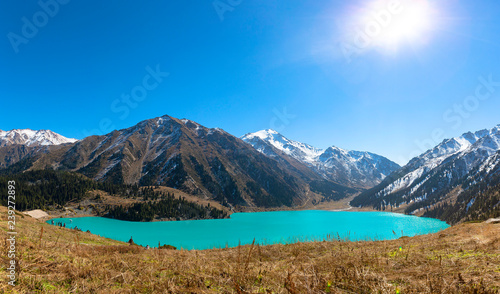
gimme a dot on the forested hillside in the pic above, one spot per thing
(473, 205)
(479, 200)
(168, 207)
(49, 189)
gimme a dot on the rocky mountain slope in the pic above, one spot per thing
(18, 145)
(478, 197)
(185, 155)
(440, 175)
(352, 168)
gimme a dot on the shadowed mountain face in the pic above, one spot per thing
(351, 168)
(185, 155)
(19, 155)
(21, 145)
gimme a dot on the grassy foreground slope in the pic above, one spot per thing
(461, 259)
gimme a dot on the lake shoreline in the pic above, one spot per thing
(72, 211)
(336, 206)
(266, 227)
(69, 214)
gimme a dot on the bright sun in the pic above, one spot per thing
(388, 24)
(411, 24)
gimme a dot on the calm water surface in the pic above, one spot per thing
(265, 227)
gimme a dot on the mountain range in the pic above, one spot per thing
(456, 180)
(441, 176)
(185, 155)
(354, 168)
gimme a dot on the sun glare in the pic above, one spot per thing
(411, 24)
(390, 24)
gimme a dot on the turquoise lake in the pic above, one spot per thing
(265, 227)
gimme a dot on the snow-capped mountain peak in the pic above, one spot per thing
(297, 150)
(426, 178)
(263, 134)
(30, 137)
(349, 167)
(450, 147)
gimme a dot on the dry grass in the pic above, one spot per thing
(461, 259)
(199, 200)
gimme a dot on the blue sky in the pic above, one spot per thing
(249, 65)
